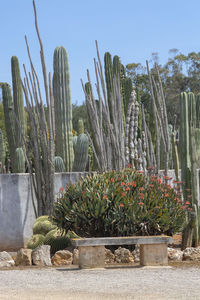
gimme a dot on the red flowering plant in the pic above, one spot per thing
(120, 203)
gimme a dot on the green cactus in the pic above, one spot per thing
(80, 126)
(2, 151)
(81, 153)
(18, 101)
(74, 141)
(9, 119)
(63, 108)
(41, 219)
(43, 227)
(19, 163)
(59, 164)
(57, 243)
(190, 157)
(35, 241)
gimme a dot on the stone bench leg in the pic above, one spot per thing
(153, 255)
(91, 257)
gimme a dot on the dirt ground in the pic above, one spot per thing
(178, 281)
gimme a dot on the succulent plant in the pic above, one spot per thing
(43, 227)
(63, 108)
(18, 101)
(19, 163)
(2, 151)
(35, 241)
(59, 164)
(81, 153)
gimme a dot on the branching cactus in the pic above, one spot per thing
(18, 101)
(63, 108)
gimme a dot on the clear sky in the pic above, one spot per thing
(132, 29)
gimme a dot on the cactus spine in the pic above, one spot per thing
(63, 108)
(59, 164)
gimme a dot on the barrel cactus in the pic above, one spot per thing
(35, 241)
(43, 227)
(63, 108)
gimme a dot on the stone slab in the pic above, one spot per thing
(132, 240)
(91, 257)
(154, 255)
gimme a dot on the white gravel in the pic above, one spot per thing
(111, 283)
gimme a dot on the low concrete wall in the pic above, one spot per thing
(16, 208)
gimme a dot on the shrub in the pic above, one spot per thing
(120, 203)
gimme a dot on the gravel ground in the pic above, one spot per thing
(111, 283)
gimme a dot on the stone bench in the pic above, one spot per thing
(153, 249)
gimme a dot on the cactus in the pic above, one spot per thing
(9, 120)
(35, 241)
(43, 227)
(81, 153)
(74, 141)
(19, 162)
(18, 101)
(42, 219)
(59, 164)
(2, 152)
(57, 243)
(190, 157)
(80, 126)
(63, 108)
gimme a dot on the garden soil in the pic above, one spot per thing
(181, 281)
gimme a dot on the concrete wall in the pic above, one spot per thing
(16, 208)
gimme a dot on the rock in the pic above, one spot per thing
(62, 257)
(75, 257)
(136, 253)
(41, 256)
(6, 259)
(123, 255)
(175, 254)
(23, 257)
(191, 254)
(109, 256)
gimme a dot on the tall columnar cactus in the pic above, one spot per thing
(59, 164)
(9, 118)
(19, 163)
(81, 153)
(18, 101)
(2, 152)
(190, 160)
(63, 108)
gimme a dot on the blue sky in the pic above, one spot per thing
(131, 29)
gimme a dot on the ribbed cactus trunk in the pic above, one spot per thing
(9, 120)
(190, 156)
(2, 152)
(63, 108)
(18, 101)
